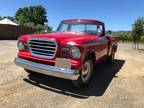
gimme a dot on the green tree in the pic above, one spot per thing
(35, 17)
(124, 36)
(43, 29)
(9, 17)
(137, 31)
(30, 24)
(21, 16)
(35, 14)
(39, 14)
(48, 29)
(40, 28)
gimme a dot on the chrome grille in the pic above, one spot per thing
(43, 48)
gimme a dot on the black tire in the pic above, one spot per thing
(81, 82)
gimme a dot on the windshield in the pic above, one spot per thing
(90, 28)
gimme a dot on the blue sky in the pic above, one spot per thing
(117, 14)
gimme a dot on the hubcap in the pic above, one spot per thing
(86, 71)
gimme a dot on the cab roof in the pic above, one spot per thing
(83, 20)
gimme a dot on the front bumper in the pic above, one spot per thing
(47, 69)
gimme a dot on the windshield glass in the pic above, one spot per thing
(90, 28)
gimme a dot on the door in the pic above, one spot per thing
(102, 40)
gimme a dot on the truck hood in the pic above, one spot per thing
(65, 37)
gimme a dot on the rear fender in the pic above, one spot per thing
(113, 47)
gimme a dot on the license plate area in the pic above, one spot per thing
(63, 63)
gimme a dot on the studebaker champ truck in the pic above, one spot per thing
(70, 52)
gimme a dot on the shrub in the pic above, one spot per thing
(124, 36)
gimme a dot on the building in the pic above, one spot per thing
(11, 30)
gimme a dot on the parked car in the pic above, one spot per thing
(70, 52)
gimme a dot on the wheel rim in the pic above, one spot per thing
(86, 71)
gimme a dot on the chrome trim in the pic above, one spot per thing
(42, 49)
(86, 44)
(41, 46)
(42, 43)
(97, 43)
(47, 69)
(43, 54)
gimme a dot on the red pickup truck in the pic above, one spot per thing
(70, 52)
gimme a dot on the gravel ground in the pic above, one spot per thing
(120, 85)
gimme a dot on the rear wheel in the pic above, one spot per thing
(85, 76)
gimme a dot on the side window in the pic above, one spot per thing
(99, 30)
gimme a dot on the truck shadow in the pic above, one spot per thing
(102, 77)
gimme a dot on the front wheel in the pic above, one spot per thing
(85, 76)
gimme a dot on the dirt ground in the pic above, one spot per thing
(120, 85)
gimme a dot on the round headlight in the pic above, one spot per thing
(21, 45)
(75, 52)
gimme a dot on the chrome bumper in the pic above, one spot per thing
(47, 69)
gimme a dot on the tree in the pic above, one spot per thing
(48, 29)
(43, 29)
(40, 29)
(9, 17)
(39, 14)
(35, 14)
(30, 24)
(137, 31)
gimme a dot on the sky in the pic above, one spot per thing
(118, 15)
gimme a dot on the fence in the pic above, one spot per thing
(11, 32)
